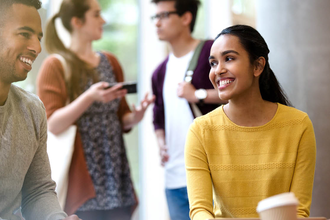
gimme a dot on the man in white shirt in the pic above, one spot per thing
(175, 97)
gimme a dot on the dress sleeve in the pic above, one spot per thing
(51, 85)
(118, 71)
(39, 200)
(199, 182)
(302, 183)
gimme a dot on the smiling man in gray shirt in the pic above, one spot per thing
(25, 179)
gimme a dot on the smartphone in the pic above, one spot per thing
(131, 87)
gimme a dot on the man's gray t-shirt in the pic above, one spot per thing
(25, 178)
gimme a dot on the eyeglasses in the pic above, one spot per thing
(163, 15)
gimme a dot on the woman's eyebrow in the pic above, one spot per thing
(229, 51)
(224, 53)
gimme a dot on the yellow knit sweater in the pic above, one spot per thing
(238, 166)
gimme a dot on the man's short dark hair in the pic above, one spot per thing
(5, 4)
(183, 6)
(33, 3)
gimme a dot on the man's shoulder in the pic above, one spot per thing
(208, 43)
(163, 63)
(207, 47)
(26, 99)
(161, 67)
(203, 67)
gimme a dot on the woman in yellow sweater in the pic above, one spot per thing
(255, 146)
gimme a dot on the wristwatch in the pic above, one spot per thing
(201, 94)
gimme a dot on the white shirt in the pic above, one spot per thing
(178, 118)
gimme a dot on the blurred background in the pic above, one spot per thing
(297, 33)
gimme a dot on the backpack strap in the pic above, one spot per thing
(190, 72)
(193, 62)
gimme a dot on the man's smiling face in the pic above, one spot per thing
(20, 35)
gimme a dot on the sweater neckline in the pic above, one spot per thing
(254, 127)
(4, 107)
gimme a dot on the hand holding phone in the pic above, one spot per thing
(131, 87)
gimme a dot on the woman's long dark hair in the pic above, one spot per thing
(79, 69)
(256, 47)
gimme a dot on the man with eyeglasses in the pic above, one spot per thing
(176, 97)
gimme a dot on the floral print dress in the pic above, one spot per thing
(102, 138)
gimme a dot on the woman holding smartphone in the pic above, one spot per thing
(100, 186)
(254, 147)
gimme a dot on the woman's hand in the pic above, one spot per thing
(62, 118)
(137, 113)
(99, 92)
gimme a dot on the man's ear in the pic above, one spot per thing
(259, 66)
(186, 18)
(76, 23)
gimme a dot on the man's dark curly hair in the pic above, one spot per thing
(8, 3)
(182, 6)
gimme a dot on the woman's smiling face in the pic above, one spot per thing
(231, 73)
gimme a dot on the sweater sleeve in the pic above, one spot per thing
(199, 182)
(157, 82)
(302, 183)
(39, 200)
(51, 85)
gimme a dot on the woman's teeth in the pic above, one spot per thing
(225, 82)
